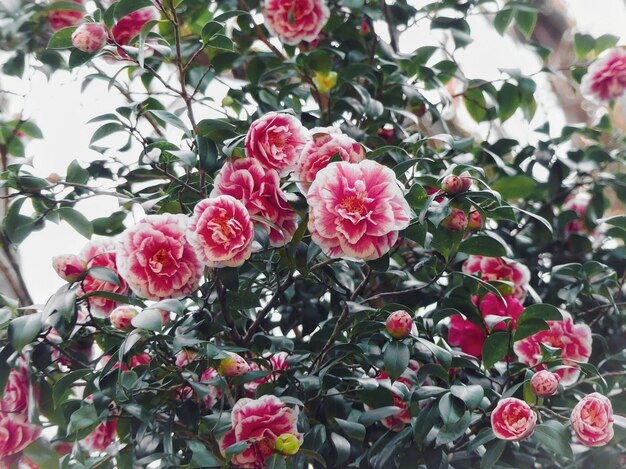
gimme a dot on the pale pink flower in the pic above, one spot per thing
(500, 268)
(316, 154)
(259, 422)
(69, 267)
(592, 420)
(185, 356)
(513, 419)
(545, 383)
(276, 140)
(16, 433)
(574, 340)
(60, 19)
(101, 437)
(122, 316)
(89, 37)
(14, 400)
(130, 25)
(356, 210)
(101, 253)
(278, 361)
(156, 260)
(605, 79)
(221, 232)
(215, 393)
(579, 204)
(293, 21)
(258, 189)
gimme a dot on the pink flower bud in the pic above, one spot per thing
(89, 37)
(475, 221)
(69, 267)
(234, 365)
(452, 184)
(185, 357)
(60, 19)
(141, 359)
(165, 317)
(456, 221)
(122, 316)
(364, 29)
(399, 324)
(513, 419)
(466, 180)
(545, 383)
(592, 420)
(53, 178)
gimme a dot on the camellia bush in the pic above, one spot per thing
(329, 270)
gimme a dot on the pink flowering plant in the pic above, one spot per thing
(327, 252)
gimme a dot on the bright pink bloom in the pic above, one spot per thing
(316, 154)
(89, 37)
(122, 316)
(101, 253)
(579, 204)
(234, 365)
(399, 324)
(69, 267)
(278, 361)
(155, 259)
(605, 79)
(60, 19)
(356, 210)
(276, 140)
(221, 232)
(293, 21)
(102, 437)
(574, 340)
(130, 26)
(16, 434)
(259, 422)
(545, 383)
(592, 420)
(140, 359)
(215, 393)
(258, 189)
(469, 336)
(500, 268)
(456, 221)
(14, 400)
(513, 419)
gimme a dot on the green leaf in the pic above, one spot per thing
(170, 119)
(543, 311)
(515, 187)
(148, 319)
(583, 44)
(353, 430)
(211, 29)
(106, 130)
(483, 245)
(502, 20)
(555, 437)
(125, 7)
(41, 453)
(76, 173)
(62, 39)
(216, 130)
(475, 104)
(79, 57)
(202, 457)
(63, 385)
(508, 101)
(485, 435)
(526, 22)
(451, 409)
(242, 299)
(275, 461)
(230, 14)
(618, 221)
(493, 453)
(371, 416)
(23, 330)
(82, 418)
(396, 357)
(219, 41)
(105, 274)
(237, 448)
(471, 395)
(76, 220)
(342, 446)
(495, 348)
(606, 41)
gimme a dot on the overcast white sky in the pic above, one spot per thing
(61, 111)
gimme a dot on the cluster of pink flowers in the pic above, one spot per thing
(606, 78)
(295, 21)
(574, 340)
(469, 336)
(492, 269)
(16, 432)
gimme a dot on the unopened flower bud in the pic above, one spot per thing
(287, 443)
(399, 324)
(324, 82)
(122, 316)
(475, 221)
(90, 37)
(452, 184)
(234, 365)
(456, 221)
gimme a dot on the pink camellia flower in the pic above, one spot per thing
(60, 19)
(294, 21)
(471, 337)
(221, 232)
(89, 37)
(14, 400)
(156, 260)
(101, 253)
(318, 151)
(140, 359)
(69, 267)
(399, 324)
(122, 316)
(185, 356)
(500, 268)
(452, 184)
(130, 26)
(234, 365)
(276, 140)
(356, 210)
(545, 383)
(258, 189)
(592, 420)
(579, 204)
(475, 221)
(278, 361)
(215, 393)
(574, 340)
(259, 422)
(456, 221)
(513, 419)
(16, 433)
(101, 437)
(605, 79)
